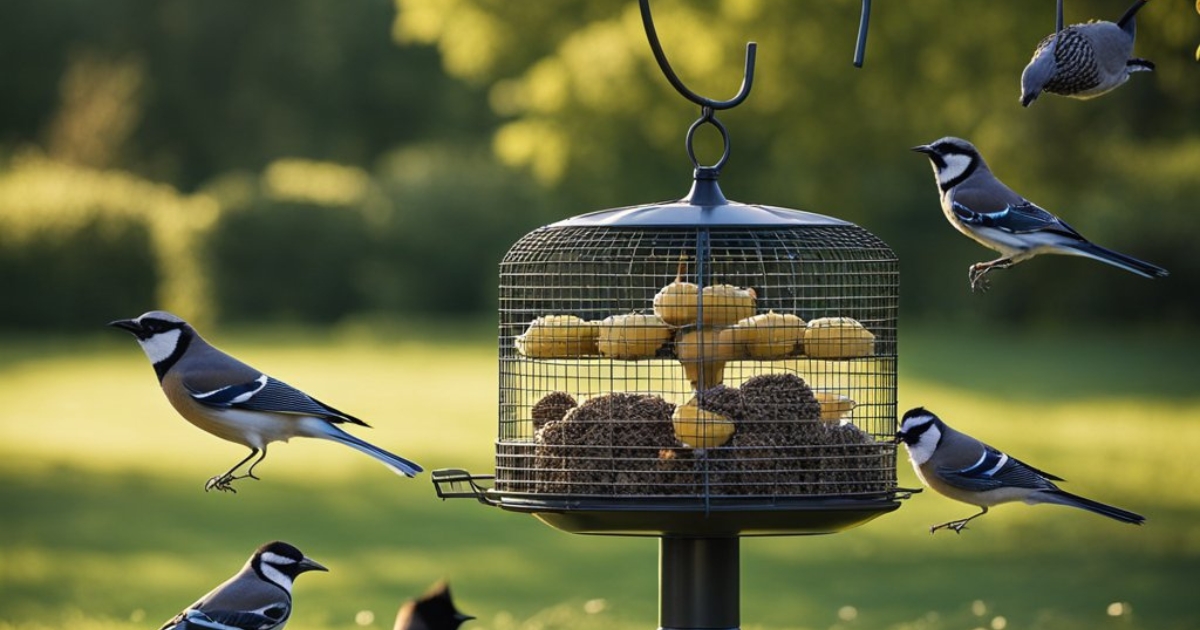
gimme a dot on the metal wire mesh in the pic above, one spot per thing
(599, 397)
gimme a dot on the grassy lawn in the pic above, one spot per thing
(104, 523)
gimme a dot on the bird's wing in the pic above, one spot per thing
(193, 619)
(1022, 218)
(997, 470)
(266, 394)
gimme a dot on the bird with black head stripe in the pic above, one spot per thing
(259, 597)
(993, 215)
(962, 468)
(236, 402)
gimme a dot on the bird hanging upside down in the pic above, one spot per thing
(1084, 60)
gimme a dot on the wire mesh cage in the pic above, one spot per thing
(679, 357)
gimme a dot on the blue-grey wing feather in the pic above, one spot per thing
(995, 470)
(222, 620)
(273, 396)
(1019, 219)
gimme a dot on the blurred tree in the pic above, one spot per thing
(588, 113)
(224, 85)
(410, 142)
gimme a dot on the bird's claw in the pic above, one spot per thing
(222, 483)
(976, 276)
(957, 526)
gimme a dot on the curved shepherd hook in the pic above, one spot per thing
(860, 46)
(661, 58)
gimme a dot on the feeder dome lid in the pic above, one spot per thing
(703, 206)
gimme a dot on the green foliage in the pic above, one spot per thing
(460, 125)
(591, 106)
(61, 280)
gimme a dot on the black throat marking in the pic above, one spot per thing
(162, 367)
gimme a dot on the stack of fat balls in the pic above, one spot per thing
(772, 434)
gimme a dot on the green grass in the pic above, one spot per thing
(104, 523)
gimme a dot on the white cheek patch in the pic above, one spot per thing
(160, 346)
(956, 165)
(273, 574)
(920, 452)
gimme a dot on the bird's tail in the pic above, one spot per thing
(1062, 497)
(1117, 259)
(1127, 22)
(398, 464)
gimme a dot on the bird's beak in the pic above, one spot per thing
(923, 148)
(308, 564)
(463, 617)
(898, 438)
(127, 325)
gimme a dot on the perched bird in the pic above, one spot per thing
(432, 611)
(1084, 60)
(259, 597)
(982, 207)
(960, 467)
(236, 402)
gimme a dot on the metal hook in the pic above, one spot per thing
(860, 47)
(1058, 17)
(661, 58)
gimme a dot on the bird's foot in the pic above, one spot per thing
(978, 281)
(957, 526)
(223, 483)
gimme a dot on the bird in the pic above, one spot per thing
(432, 611)
(1084, 60)
(236, 402)
(993, 215)
(259, 597)
(962, 468)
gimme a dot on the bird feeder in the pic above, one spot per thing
(698, 371)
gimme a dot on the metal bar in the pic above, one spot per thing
(699, 583)
(860, 47)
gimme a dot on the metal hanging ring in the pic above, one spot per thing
(706, 116)
(661, 58)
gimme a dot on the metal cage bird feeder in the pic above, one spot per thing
(698, 371)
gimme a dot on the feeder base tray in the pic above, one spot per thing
(726, 517)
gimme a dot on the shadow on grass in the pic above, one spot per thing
(113, 544)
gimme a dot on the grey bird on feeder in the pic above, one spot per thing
(962, 468)
(1084, 60)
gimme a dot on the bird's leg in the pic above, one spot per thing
(224, 482)
(978, 270)
(250, 471)
(960, 524)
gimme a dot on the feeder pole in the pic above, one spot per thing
(698, 583)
